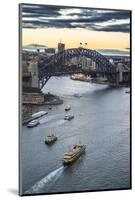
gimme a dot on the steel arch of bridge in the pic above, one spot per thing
(55, 64)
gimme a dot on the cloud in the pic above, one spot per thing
(125, 28)
(40, 11)
(41, 16)
(96, 16)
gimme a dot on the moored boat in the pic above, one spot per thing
(74, 154)
(39, 114)
(33, 123)
(50, 139)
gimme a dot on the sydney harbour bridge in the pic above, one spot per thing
(56, 65)
(60, 64)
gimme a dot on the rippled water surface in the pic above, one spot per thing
(102, 122)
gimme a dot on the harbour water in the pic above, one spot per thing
(102, 122)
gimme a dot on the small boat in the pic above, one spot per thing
(74, 154)
(33, 123)
(67, 108)
(50, 139)
(77, 95)
(68, 117)
(39, 114)
(128, 91)
(50, 107)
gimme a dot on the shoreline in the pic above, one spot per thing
(34, 101)
(98, 81)
(41, 99)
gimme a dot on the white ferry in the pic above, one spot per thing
(39, 114)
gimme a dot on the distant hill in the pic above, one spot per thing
(35, 46)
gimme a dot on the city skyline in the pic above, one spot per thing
(100, 29)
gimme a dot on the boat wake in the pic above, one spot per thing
(54, 123)
(58, 122)
(46, 119)
(45, 183)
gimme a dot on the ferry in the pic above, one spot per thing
(67, 108)
(39, 114)
(50, 139)
(74, 154)
(68, 117)
(33, 123)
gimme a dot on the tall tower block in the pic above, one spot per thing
(61, 47)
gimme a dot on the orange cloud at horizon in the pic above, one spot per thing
(72, 38)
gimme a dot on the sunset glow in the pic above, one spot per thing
(100, 29)
(72, 38)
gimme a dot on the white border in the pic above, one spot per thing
(9, 99)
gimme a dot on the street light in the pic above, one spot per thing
(86, 44)
(80, 44)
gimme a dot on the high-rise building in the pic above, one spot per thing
(61, 47)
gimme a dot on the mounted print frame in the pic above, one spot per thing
(75, 99)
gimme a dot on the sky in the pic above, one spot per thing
(100, 29)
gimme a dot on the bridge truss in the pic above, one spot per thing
(56, 65)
